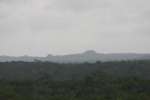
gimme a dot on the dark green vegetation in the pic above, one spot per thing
(124, 80)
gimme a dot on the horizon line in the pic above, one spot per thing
(94, 51)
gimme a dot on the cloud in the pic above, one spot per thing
(60, 25)
(80, 5)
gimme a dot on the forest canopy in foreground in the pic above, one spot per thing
(123, 80)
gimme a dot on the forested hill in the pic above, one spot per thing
(122, 80)
(88, 56)
(56, 71)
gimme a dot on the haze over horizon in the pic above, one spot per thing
(87, 52)
(42, 27)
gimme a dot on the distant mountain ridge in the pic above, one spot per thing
(87, 56)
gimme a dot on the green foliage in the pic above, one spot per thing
(96, 85)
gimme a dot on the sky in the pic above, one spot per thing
(41, 27)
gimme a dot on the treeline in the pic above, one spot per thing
(38, 69)
(123, 80)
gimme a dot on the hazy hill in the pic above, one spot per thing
(36, 70)
(88, 56)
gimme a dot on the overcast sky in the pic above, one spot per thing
(40, 27)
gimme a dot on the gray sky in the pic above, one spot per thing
(39, 27)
